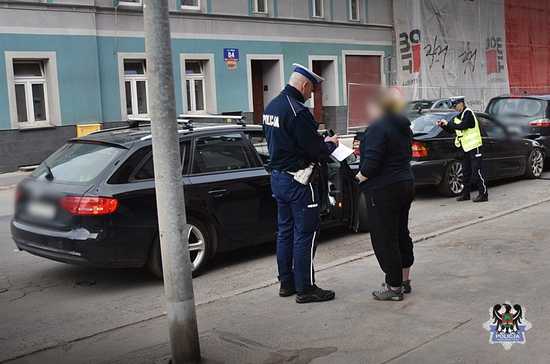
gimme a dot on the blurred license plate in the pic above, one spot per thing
(41, 209)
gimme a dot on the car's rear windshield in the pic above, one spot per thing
(426, 123)
(517, 107)
(77, 162)
(421, 104)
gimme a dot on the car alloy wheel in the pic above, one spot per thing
(197, 248)
(536, 162)
(455, 178)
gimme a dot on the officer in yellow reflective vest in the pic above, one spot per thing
(468, 137)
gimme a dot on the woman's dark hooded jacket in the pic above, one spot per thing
(386, 151)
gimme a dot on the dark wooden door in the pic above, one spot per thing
(363, 77)
(318, 95)
(257, 91)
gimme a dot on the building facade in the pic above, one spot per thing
(68, 62)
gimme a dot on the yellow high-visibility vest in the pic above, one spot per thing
(470, 138)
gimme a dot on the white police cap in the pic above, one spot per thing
(309, 74)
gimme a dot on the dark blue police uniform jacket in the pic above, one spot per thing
(291, 133)
(294, 144)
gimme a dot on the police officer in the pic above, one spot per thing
(468, 137)
(295, 150)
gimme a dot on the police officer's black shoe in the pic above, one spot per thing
(463, 198)
(481, 198)
(314, 294)
(287, 289)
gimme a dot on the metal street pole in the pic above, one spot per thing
(173, 228)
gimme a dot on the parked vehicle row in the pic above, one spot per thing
(437, 161)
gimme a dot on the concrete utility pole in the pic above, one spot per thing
(173, 228)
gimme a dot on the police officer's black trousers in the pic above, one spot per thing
(388, 214)
(472, 166)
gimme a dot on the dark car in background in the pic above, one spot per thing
(526, 116)
(416, 107)
(437, 161)
(93, 202)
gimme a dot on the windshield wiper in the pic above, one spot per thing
(49, 175)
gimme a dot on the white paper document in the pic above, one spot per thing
(342, 152)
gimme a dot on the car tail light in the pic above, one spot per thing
(89, 205)
(419, 150)
(356, 150)
(541, 123)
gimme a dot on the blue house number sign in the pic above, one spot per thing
(231, 57)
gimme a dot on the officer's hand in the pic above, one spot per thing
(359, 176)
(442, 122)
(332, 139)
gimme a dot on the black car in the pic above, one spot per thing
(526, 116)
(92, 202)
(437, 161)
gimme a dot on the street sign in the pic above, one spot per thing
(231, 58)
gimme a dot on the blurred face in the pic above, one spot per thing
(459, 107)
(373, 111)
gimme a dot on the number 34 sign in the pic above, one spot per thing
(231, 58)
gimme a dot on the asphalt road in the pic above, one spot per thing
(45, 304)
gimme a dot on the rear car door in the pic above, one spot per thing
(225, 181)
(504, 156)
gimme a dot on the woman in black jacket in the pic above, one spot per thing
(387, 180)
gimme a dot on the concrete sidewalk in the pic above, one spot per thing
(458, 277)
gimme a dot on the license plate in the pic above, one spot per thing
(41, 209)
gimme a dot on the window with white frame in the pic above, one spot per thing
(191, 4)
(354, 10)
(135, 87)
(318, 8)
(260, 6)
(130, 3)
(195, 86)
(31, 96)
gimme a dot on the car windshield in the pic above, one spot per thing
(425, 123)
(518, 107)
(77, 162)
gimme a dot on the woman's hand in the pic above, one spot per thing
(360, 177)
(332, 139)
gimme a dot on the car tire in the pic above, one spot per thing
(451, 184)
(362, 214)
(535, 164)
(201, 236)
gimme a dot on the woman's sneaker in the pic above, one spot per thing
(407, 286)
(388, 294)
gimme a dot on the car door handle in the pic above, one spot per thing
(218, 193)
